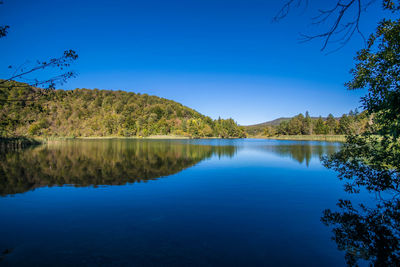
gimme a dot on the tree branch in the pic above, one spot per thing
(341, 26)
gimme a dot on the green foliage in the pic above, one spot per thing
(377, 70)
(269, 131)
(29, 111)
(371, 160)
(320, 127)
(306, 125)
(331, 124)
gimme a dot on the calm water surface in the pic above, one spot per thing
(168, 203)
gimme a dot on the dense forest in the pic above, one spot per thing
(352, 123)
(30, 111)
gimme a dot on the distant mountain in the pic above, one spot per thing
(270, 123)
(259, 129)
(278, 121)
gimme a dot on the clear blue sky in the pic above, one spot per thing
(222, 58)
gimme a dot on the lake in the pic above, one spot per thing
(127, 202)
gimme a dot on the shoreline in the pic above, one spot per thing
(133, 137)
(41, 140)
(14, 143)
(327, 138)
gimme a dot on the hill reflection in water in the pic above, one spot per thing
(99, 162)
(118, 162)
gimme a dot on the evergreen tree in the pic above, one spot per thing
(331, 124)
(319, 126)
(308, 125)
(344, 125)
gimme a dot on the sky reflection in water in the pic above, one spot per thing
(170, 203)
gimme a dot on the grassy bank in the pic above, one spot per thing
(329, 138)
(137, 137)
(41, 139)
(14, 143)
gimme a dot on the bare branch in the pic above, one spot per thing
(63, 61)
(284, 11)
(4, 30)
(23, 71)
(343, 23)
(60, 63)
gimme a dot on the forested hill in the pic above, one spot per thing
(29, 111)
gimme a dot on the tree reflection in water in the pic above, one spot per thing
(99, 162)
(302, 152)
(367, 231)
(118, 162)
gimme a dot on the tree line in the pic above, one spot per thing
(351, 123)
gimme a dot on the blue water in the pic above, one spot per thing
(168, 203)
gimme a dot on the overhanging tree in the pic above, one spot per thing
(372, 160)
(28, 73)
